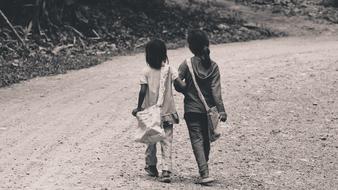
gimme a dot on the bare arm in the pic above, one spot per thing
(179, 84)
(141, 96)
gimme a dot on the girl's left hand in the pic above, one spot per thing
(135, 111)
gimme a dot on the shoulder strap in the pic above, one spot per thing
(200, 95)
(163, 77)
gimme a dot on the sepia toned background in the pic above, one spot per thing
(66, 128)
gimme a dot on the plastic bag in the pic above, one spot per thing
(150, 128)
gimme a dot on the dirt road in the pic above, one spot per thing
(73, 131)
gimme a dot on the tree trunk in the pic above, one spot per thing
(36, 18)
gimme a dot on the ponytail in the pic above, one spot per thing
(205, 57)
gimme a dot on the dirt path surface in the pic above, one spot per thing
(73, 131)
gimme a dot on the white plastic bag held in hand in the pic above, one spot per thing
(149, 126)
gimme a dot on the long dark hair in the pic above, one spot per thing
(199, 46)
(156, 53)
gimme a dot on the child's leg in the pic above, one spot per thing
(151, 159)
(206, 141)
(166, 147)
(195, 122)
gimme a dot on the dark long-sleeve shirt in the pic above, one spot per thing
(209, 82)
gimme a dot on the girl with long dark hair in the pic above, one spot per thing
(157, 59)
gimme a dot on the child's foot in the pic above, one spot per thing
(206, 180)
(215, 136)
(165, 178)
(151, 170)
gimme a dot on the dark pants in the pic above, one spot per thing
(199, 136)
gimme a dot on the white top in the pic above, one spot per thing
(151, 77)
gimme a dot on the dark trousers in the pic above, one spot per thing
(199, 136)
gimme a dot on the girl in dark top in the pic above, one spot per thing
(208, 79)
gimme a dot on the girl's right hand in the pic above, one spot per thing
(223, 116)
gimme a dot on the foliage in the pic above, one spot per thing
(333, 3)
(72, 34)
(314, 9)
